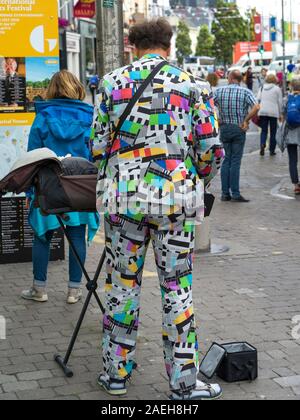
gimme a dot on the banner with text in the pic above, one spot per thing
(29, 56)
(258, 28)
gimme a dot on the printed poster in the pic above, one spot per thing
(29, 56)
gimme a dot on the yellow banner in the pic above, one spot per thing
(20, 120)
(29, 28)
(29, 56)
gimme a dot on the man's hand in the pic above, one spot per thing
(254, 111)
(245, 126)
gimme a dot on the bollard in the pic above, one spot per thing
(203, 243)
(202, 237)
(2, 328)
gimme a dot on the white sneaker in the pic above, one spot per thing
(202, 391)
(74, 296)
(111, 386)
(37, 294)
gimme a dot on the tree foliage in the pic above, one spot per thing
(205, 42)
(183, 42)
(229, 27)
(250, 18)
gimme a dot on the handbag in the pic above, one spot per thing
(281, 136)
(209, 201)
(233, 362)
(67, 186)
(257, 121)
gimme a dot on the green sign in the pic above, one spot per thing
(108, 3)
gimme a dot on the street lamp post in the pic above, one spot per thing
(110, 36)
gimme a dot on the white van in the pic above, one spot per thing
(255, 60)
(199, 66)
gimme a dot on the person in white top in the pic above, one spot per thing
(271, 110)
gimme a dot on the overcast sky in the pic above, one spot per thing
(273, 7)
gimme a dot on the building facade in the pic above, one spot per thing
(78, 49)
(77, 41)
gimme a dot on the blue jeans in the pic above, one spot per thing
(265, 123)
(41, 255)
(233, 139)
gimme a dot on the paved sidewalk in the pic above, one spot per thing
(252, 294)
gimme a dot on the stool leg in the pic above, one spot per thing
(92, 288)
(63, 362)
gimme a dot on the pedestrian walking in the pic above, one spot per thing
(249, 79)
(168, 139)
(280, 75)
(213, 79)
(62, 124)
(292, 113)
(291, 69)
(271, 110)
(234, 102)
(94, 86)
(262, 78)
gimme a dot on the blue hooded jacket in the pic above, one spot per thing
(63, 126)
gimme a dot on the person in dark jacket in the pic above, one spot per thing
(94, 85)
(249, 79)
(63, 125)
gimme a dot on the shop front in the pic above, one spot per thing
(88, 31)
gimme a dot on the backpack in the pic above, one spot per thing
(94, 82)
(67, 187)
(293, 111)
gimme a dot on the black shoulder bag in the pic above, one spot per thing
(130, 107)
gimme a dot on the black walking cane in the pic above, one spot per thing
(92, 285)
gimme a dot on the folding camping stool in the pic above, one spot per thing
(91, 285)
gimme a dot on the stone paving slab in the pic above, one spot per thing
(250, 294)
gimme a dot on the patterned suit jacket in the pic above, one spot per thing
(167, 150)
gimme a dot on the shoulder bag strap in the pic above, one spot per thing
(130, 107)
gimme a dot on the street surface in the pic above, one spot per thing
(251, 294)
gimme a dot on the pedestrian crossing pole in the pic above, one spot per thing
(110, 36)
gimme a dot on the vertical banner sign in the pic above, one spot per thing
(287, 31)
(266, 29)
(273, 28)
(29, 56)
(258, 28)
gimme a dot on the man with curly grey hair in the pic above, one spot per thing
(161, 156)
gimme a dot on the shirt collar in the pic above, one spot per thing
(149, 56)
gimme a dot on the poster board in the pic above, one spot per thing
(29, 56)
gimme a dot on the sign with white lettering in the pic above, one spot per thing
(29, 52)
